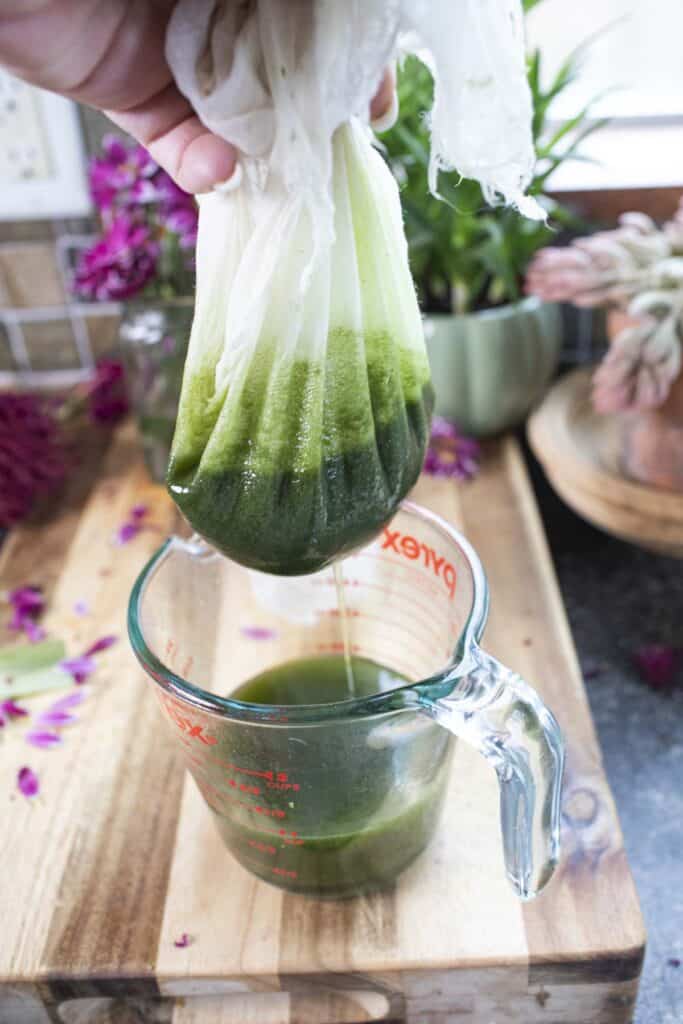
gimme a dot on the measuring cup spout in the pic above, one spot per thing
(495, 711)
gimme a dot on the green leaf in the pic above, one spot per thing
(16, 659)
(530, 4)
(26, 684)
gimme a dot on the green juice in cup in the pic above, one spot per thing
(309, 833)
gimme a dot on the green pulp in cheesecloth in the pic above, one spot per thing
(307, 467)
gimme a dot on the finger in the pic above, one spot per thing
(384, 106)
(178, 141)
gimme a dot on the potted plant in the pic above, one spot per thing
(144, 258)
(636, 272)
(492, 350)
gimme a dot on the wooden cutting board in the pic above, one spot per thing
(117, 856)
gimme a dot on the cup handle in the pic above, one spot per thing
(495, 711)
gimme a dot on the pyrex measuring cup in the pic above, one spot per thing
(336, 799)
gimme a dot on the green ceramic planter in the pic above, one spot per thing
(490, 368)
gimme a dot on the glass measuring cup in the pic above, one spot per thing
(336, 799)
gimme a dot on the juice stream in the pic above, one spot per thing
(344, 622)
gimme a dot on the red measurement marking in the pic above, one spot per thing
(262, 847)
(288, 838)
(285, 873)
(284, 787)
(337, 647)
(269, 774)
(194, 730)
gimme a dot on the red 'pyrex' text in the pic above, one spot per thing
(408, 546)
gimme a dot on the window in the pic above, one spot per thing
(635, 60)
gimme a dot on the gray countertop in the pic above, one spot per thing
(619, 598)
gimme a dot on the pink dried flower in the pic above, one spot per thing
(103, 644)
(32, 458)
(79, 668)
(27, 781)
(43, 740)
(120, 264)
(183, 942)
(658, 665)
(450, 453)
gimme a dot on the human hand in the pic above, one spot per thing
(109, 54)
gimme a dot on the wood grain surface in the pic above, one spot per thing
(580, 451)
(118, 855)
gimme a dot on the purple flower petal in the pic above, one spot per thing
(10, 709)
(34, 633)
(27, 781)
(79, 668)
(125, 533)
(138, 512)
(70, 701)
(44, 740)
(102, 644)
(184, 941)
(657, 665)
(450, 453)
(55, 718)
(258, 633)
(81, 607)
(25, 600)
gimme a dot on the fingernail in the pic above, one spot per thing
(388, 119)
(232, 183)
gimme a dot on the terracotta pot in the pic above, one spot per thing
(652, 442)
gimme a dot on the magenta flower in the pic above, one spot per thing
(182, 221)
(32, 459)
(27, 604)
(43, 740)
(120, 264)
(183, 942)
(123, 176)
(658, 665)
(450, 453)
(107, 396)
(79, 668)
(10, 709)
(27, 781)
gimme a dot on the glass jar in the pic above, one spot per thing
(154, 337)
